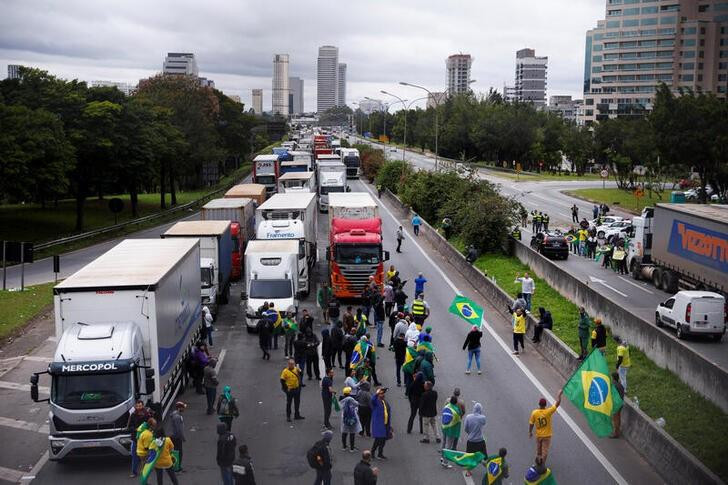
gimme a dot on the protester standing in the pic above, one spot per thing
(227, 408)
(528, 287)
(428, 411)
(264, 337)
(400, 238)
(291, 385)
(326, 352)
(519, 330)
(381, 422)
(178, 430)
(144, 438)
(415, 389)
(164, 463)
(473, 427)
(243, 472)
(600, 336)
(210, 382)
(337, 344)
(623, 361)
(350, 341)
(472, 344)
(299, 352)
(388, 294)
(350, 422)
(617, 417)
(400, 352)
(364, 474)
(322, 459)
(379, 316)
(209, 328)
(575, 213)
(226, 444)
(416, 223)
(541, 420)
(584, 329)
(323, 298)
(138, 416)
(452, 416)
(327, 394)
(364, 398)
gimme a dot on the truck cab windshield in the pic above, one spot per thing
(328, 190)
(91, 391)
(206, 277)
(269, 289)
(266, 179)
(358, 254)
(351, 161)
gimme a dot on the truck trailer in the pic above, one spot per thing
(266, 170)
(681, 246)
(249, 191)
(331, 179)
(241, 214)
(216, 248)
(350, 158)
(125, 324)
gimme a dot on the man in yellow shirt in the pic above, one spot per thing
(623, 361)
(145, 434)
(291, 385)
(541, 419)
(519, 329)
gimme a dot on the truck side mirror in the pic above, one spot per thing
(328, 253)
(34, 387)
(386, 255)
(149, 380)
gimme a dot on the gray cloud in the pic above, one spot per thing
(382, 42)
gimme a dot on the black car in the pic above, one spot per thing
(551, 245)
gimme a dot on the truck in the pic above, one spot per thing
(266, 170)
(350, 158)
(250, 191)
(270, 276)
(216, 248)
(331, 175)
(355, 244)
(292, 216)
(303, 156)
(241, 214)
(681, 246)
(297, 182)
(282, 153)
(125, 325)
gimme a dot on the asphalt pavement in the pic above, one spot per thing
(509, 389)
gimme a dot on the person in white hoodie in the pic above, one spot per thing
(412, 336)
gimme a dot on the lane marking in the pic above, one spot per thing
(594, 279)
(36, 468)
(14, 386)
(37, 358)
(220, 358)
(24, 425)
(567, 419)
(635, 284)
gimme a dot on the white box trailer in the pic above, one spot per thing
(292, 216)
(352, 205)
(331, 179)
(292, 182)
(125, 324)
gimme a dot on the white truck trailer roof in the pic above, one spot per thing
(227, 203)
(351, 199)
(258, 246)
(133, 263)
(198, 228)
(295, 200)
(296, 176)
(266, 158)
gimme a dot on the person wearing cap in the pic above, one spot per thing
(541, 420)
(472, 343)
(323, 457)
(381, 422)
(178, 429)
(539, 474)
(350, 421)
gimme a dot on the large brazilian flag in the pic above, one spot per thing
(409, 361)
(467, 309)
(155, 450)
(463, 459)
(590, 389)
(361, 352)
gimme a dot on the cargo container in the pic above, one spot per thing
(250, 191)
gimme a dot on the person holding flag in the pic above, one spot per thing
(472, 343)
(541, 420)
(273, 317)
(451, 419)
(290, 328)
(360, 320)
(159, 459)
(144, 437)
(496, 468)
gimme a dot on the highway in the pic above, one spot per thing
(509, 389)
(639, 297)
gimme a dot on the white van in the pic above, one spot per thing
(693, 312)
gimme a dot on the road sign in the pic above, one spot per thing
(604, 174)
(639, 193)
(13, 252)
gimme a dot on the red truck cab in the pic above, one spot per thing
(355, 253)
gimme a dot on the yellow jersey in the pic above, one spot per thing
(165, 454)
(142, 446)
(623, 352)
(541, 420)
(292, 378)
(519, 323)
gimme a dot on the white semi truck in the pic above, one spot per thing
(292, 216)
(271, 269)
(125, 324)
(331, 179)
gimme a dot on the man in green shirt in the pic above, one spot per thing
(585, 326)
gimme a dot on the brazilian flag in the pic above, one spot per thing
(451, 416)
(426, 346)
(155, 450)
(494, 466)
(463, 459)
(274, 317)
(409, 361)
(361, 350)
(467, 309)
(590, 389)
(290, 325)
(545, 479)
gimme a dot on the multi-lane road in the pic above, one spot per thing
(639, 297)
(509, 389)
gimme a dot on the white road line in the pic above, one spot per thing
(220, 358)
(594, 279)
(11, 475)
(37, 358)
(24, 425)
(36, 468)
(567, 419)
(635, 284)
(11, 359)
(22, 387)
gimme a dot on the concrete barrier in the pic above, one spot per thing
(703, 376)
(670, 459)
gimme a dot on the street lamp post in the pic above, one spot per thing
(406, 109)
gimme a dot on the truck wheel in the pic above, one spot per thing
(717, 337)
(669, 281)
(658, 320)
(636, 270)
(679, 332)
(656, 277)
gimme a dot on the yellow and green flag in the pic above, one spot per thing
(590, 389)
(467, 309)
(155, 450)
(409, 361)
(463, 459)
(451, 417)
(494, 467)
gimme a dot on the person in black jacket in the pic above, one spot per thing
(312, 359)
(264, 335)
(364, 474)
(414, 394)
(243, 468)
(226, 444)
(323, 458)
(326, 352)
(400, 352)
(337, 343)
(545, 321)
(428, 411)
(472, 343)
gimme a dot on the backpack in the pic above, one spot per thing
(312, 455)
(349, 415)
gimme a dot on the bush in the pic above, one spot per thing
(371, 160)
(392, 174)
(426, 192)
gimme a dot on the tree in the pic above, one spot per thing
(336, 116)
(579, 147)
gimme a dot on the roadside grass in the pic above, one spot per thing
(618, 198)
(534, 177)
(696, 423)
(19, 307)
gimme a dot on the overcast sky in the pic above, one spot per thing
(382, 41)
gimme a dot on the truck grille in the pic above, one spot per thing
(358, 275)
(114, 428)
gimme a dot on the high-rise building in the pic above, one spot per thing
(509, 93)
(183, 63)
(369, 106)
(565, 107)
(206, 83)
(341, 86)
(257, 101)
(435, 99)
(14, 71)
(530, 84)
(458, 73)
(635, 48)
(295, 97)
(280, 84)
(125, 88)
(327, 74)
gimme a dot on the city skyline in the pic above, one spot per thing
(239, 53)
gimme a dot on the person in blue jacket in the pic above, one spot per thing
(416, 223)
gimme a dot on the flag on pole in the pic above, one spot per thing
(590, 389)
(409, 361)
(467, 309)
(463, 459)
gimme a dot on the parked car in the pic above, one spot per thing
(551, 245)
(694, 313)
(616, 229)
(605, 221)
(694, 193)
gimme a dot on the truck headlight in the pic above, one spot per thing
(125, 441)
(57, 446)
